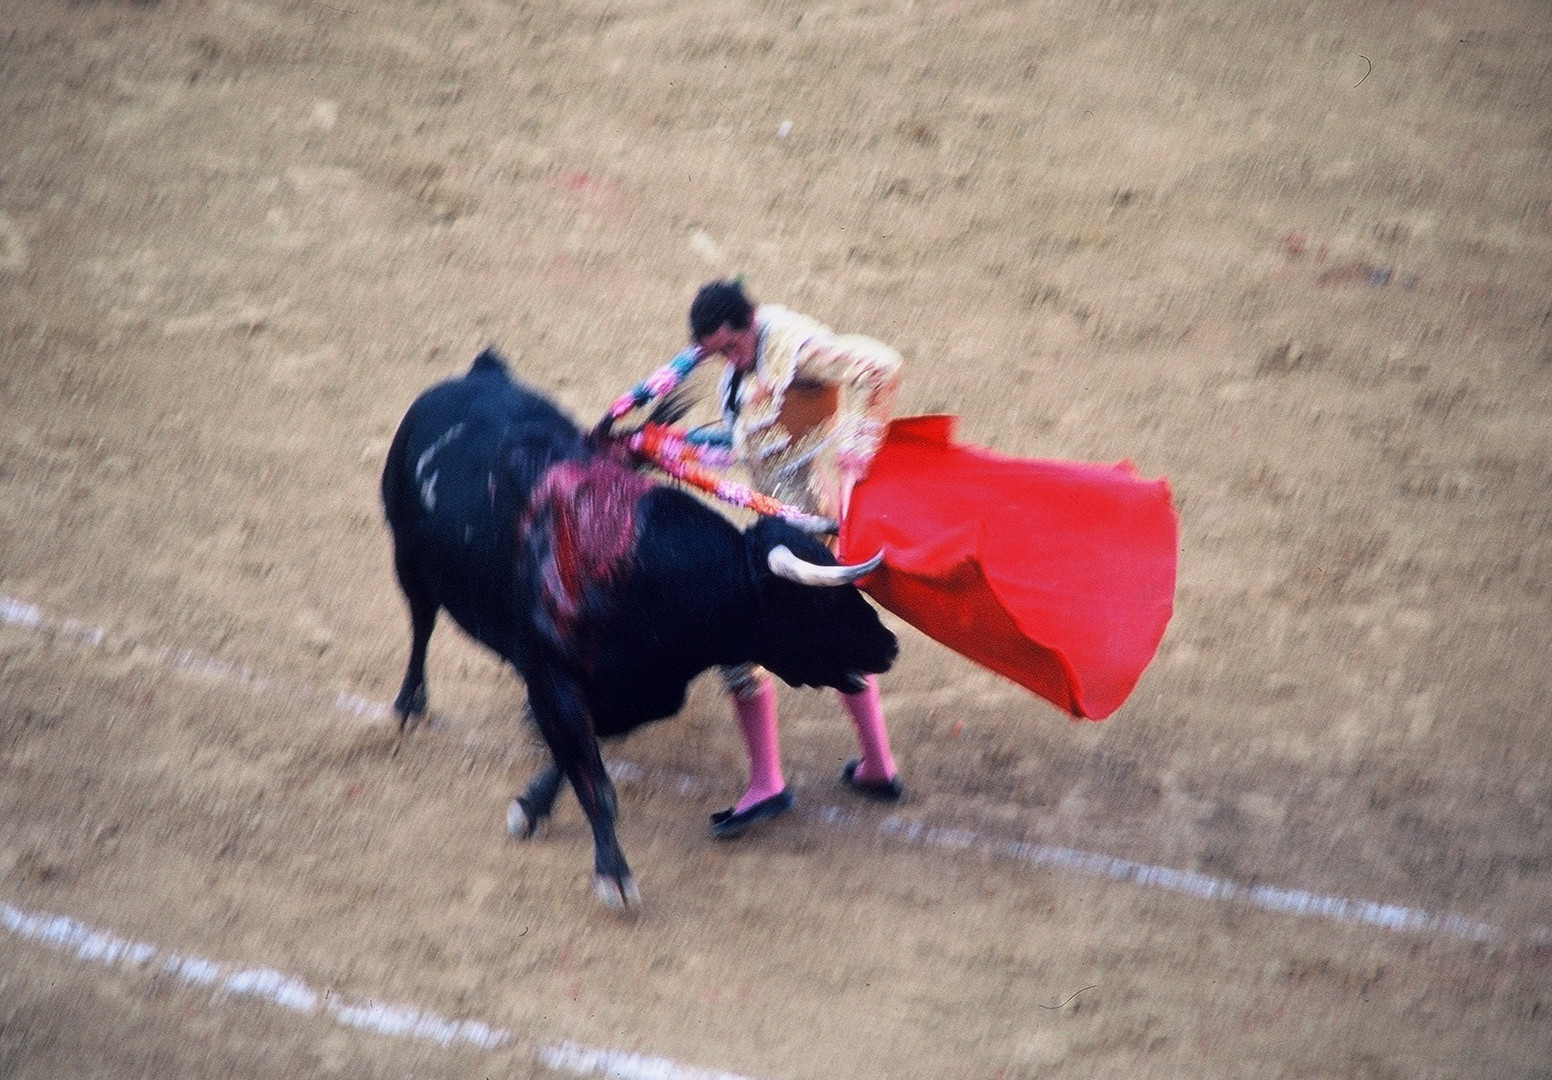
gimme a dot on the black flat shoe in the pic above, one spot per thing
(726, 824)
(891, 790)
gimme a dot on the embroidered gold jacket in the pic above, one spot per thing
(810, 416)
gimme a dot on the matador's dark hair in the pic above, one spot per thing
(717, 303)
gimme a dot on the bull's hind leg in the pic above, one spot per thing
(412, 700)
(533, 807)
(567, 728)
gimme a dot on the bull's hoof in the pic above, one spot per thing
(411, 705)
(520, 823)
(617, 895)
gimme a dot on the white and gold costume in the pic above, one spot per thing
(810, 416)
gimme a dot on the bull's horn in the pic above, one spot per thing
(784, 564)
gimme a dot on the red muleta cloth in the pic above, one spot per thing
(1058, 575)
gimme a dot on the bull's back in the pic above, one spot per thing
(458, 476)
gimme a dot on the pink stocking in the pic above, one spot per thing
(756, 712)
(867, 715)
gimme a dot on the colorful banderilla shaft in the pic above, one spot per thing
(668, 450)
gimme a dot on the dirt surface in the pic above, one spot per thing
(1296, 257)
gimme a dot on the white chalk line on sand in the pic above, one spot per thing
(25, 616)
(1393, 917)
(1299, 902)
(93, 945)
(103, 947)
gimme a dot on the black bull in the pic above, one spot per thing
(606, 592)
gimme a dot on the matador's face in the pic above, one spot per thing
(738, 347)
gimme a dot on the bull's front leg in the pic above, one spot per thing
(558, 708)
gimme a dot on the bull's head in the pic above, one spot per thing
(816, 628)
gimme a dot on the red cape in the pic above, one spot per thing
(1058, 575)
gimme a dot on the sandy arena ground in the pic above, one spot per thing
(1296, 257)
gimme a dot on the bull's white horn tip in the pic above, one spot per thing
(785, 564)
